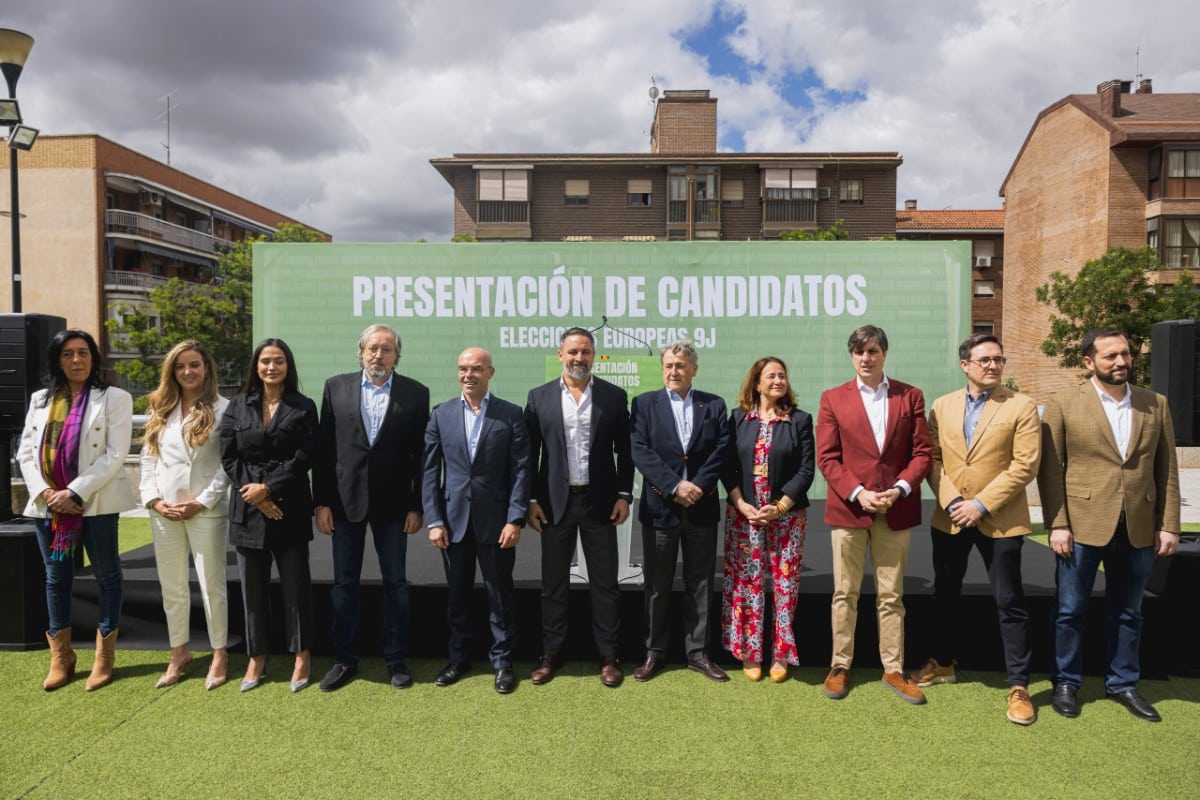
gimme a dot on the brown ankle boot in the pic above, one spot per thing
(62, 660)
(106, 655)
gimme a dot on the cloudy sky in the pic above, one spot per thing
(330, 113)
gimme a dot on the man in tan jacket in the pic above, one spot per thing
(1110, 495)
(986, 446)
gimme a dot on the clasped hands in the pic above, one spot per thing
(259, 496)
(878, 502)
(758, 517)
(687, 494)
(178, 512)
(61, 501)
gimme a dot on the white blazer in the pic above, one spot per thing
(103, 446)
(181, 472)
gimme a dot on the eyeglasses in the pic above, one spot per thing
(998, 361)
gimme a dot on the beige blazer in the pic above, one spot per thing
(181, 472)
(1083, 481)
(1001, 461)
(103, 447)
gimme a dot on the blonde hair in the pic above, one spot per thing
(165, 399)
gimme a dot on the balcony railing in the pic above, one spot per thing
(118, 221)
(144, 281)
(790, 211)
(705, 211)
(503, 211)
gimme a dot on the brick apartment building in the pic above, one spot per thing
(984, 229)
(103, 225)
(1118, 168)
(683, 189)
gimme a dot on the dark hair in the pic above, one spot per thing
(56, 379)
(973, 341)
(864, 335)
(1088, 346)
(291, 382)
(748, 397)
(577, 331)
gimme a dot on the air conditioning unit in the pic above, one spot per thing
(151, 198)
(824, 193)
(983, 262)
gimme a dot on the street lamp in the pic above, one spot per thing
(14, 49)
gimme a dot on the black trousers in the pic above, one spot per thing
(599, 540)
(290, 555)
(661, 547)
(1002, 558)
(496, 566)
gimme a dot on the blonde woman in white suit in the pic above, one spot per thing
(72, 456)
(187, 493)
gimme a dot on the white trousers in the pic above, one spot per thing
(206, 537)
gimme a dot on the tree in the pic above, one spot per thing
(834, 233)
(1114, 291)
(217, 313)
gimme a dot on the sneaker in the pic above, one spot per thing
(932, 672)
(1020, 706)
(904, 687)
(837, 683)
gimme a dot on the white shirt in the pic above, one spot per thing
(876, 403)
(1120, 416)
(577, 431)
(373, 404)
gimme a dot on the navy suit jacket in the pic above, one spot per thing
(357, 479)
(483, 494)
(790, 463)
(664, 463)
(609, 439)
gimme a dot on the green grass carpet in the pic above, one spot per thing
(676, 736)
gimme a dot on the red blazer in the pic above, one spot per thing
(847, 455)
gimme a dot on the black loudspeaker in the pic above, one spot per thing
(22, 588)
(1175, 374)
(23, 342)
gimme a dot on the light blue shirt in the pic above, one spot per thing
(473, 423)
(682, 411)
(374, 405)
(970, 422)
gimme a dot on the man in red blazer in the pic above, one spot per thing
(873, 448)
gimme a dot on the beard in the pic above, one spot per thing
(1111, 379)
(578, 373)
(375, 373)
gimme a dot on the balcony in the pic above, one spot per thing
(503, 212)
(707, 212)
(776, 212)
(119, 281)
(146, 226)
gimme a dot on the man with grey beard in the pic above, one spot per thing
(579, 435)
(368, 471)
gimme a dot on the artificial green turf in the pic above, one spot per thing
(676, 736)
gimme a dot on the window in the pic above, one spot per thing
(985, 288)
(790, 195)
(985, 251)
(1180, 242)
(1154, 174)
(850, 190)
(576, 192)
(1183, 173)
(503, 195)
(984, 326)
(733, 193)
(639, 194)
(703, 196)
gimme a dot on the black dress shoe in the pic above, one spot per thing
(337, 677)
(1137, 705)
(451, 673)
(506, 680)
(398, 675)
(708, 669)
(1064, 701)
(649, 668)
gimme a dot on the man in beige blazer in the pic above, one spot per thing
(1110, 495)
(986, 447)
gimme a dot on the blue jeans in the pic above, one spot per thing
(1126, 572)
(100, 541)
(391, 545)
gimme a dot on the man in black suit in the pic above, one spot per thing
(475, 485)
(680, 442)
(579, 436)
(368, 471)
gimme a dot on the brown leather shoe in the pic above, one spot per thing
(837, 683)
(904, 687)
(649, 668)
(1020, 706)
(547, 665)
(610, 671)
(708, 669)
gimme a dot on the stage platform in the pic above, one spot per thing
(1168, 611)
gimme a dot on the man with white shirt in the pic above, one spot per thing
(583, 484)
(1109, 485)
(873, 448)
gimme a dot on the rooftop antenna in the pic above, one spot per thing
(167, 115)
(1137, 67)
(653, 90)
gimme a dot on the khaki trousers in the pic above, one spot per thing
(889, 554)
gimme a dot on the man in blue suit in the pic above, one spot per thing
(680, 442)
(475, 490)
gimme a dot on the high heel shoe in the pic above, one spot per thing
(300, 683)
(252, 683)
(752, 670)
(170, 678)
(779, 672)
(217, 678)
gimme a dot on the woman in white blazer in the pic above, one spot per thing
(72, 456)
(187, 494)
